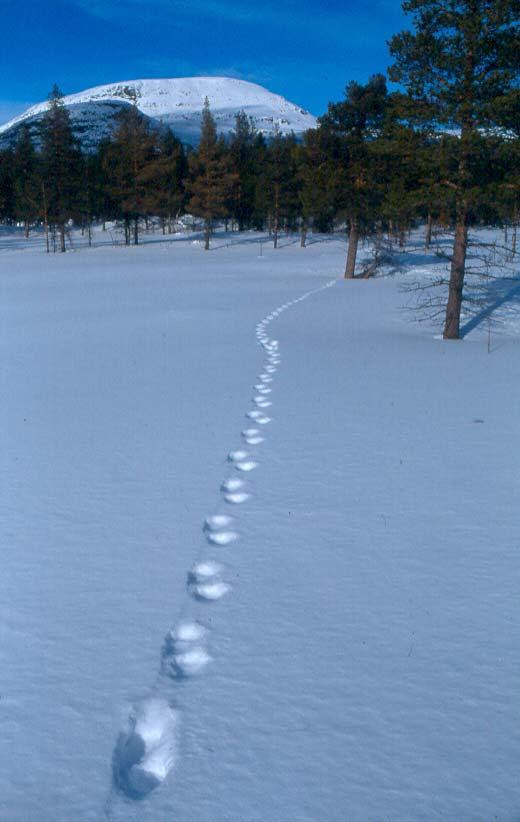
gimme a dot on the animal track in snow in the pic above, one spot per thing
(234, 491)
(186, 633)
(246, 466)
(258, 417)
(190, 663)
(238, 456)
(210, 591)
(237, 497)
(221, 537)
(233, 484)
(146, 752)
(217, 522)
(252, 436)
(183, 653)
(254, 440)
(250, 432)
(204, 571)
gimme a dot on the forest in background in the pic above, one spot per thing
(442, 151)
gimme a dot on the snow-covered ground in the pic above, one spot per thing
(345, 647)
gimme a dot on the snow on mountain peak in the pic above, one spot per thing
(178, 103)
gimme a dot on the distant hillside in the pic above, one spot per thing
(176, 102)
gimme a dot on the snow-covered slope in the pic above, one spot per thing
(177, 102)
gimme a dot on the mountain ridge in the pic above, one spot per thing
(176, 102)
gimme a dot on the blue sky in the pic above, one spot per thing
(304, 49)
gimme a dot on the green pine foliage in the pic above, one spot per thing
(61, 166)
(126, 161)
(211, 178)
(354, 126)
(7, 188)
(26, 181)
(460, 65)
(443, 151)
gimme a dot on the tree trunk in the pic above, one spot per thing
(303, 238)
(136, 231)
(428, 236)
(460, 245)
(207, 234)
(276, 226)
(62, 238)
(458, 268)
(353, 240)
(45, 219)
(26, 229)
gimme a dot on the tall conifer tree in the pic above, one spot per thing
(126, 161)
(26, 180)
(60, 158)
(211, 179)
(459, 65)
(356, 122)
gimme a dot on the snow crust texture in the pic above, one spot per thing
(145, 752)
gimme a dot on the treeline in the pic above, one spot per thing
(443, 151)
(145, 172)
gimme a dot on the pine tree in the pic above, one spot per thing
(356, 123)
(508, 189)
(164, 180)
(318, 182)
(26, 180)
(460, 65)
(60, 163)
(211, 178)
(243, 155)
(7, 197)
(126, 160)
(280, 184)
(397, 178)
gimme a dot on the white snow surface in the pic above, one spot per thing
(365, 658)
(178, 102)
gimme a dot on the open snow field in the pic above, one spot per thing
(345, 626)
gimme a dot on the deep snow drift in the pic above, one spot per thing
(259, 552)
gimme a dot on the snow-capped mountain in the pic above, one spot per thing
(176, 102)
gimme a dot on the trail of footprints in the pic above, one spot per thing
(147, 749)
